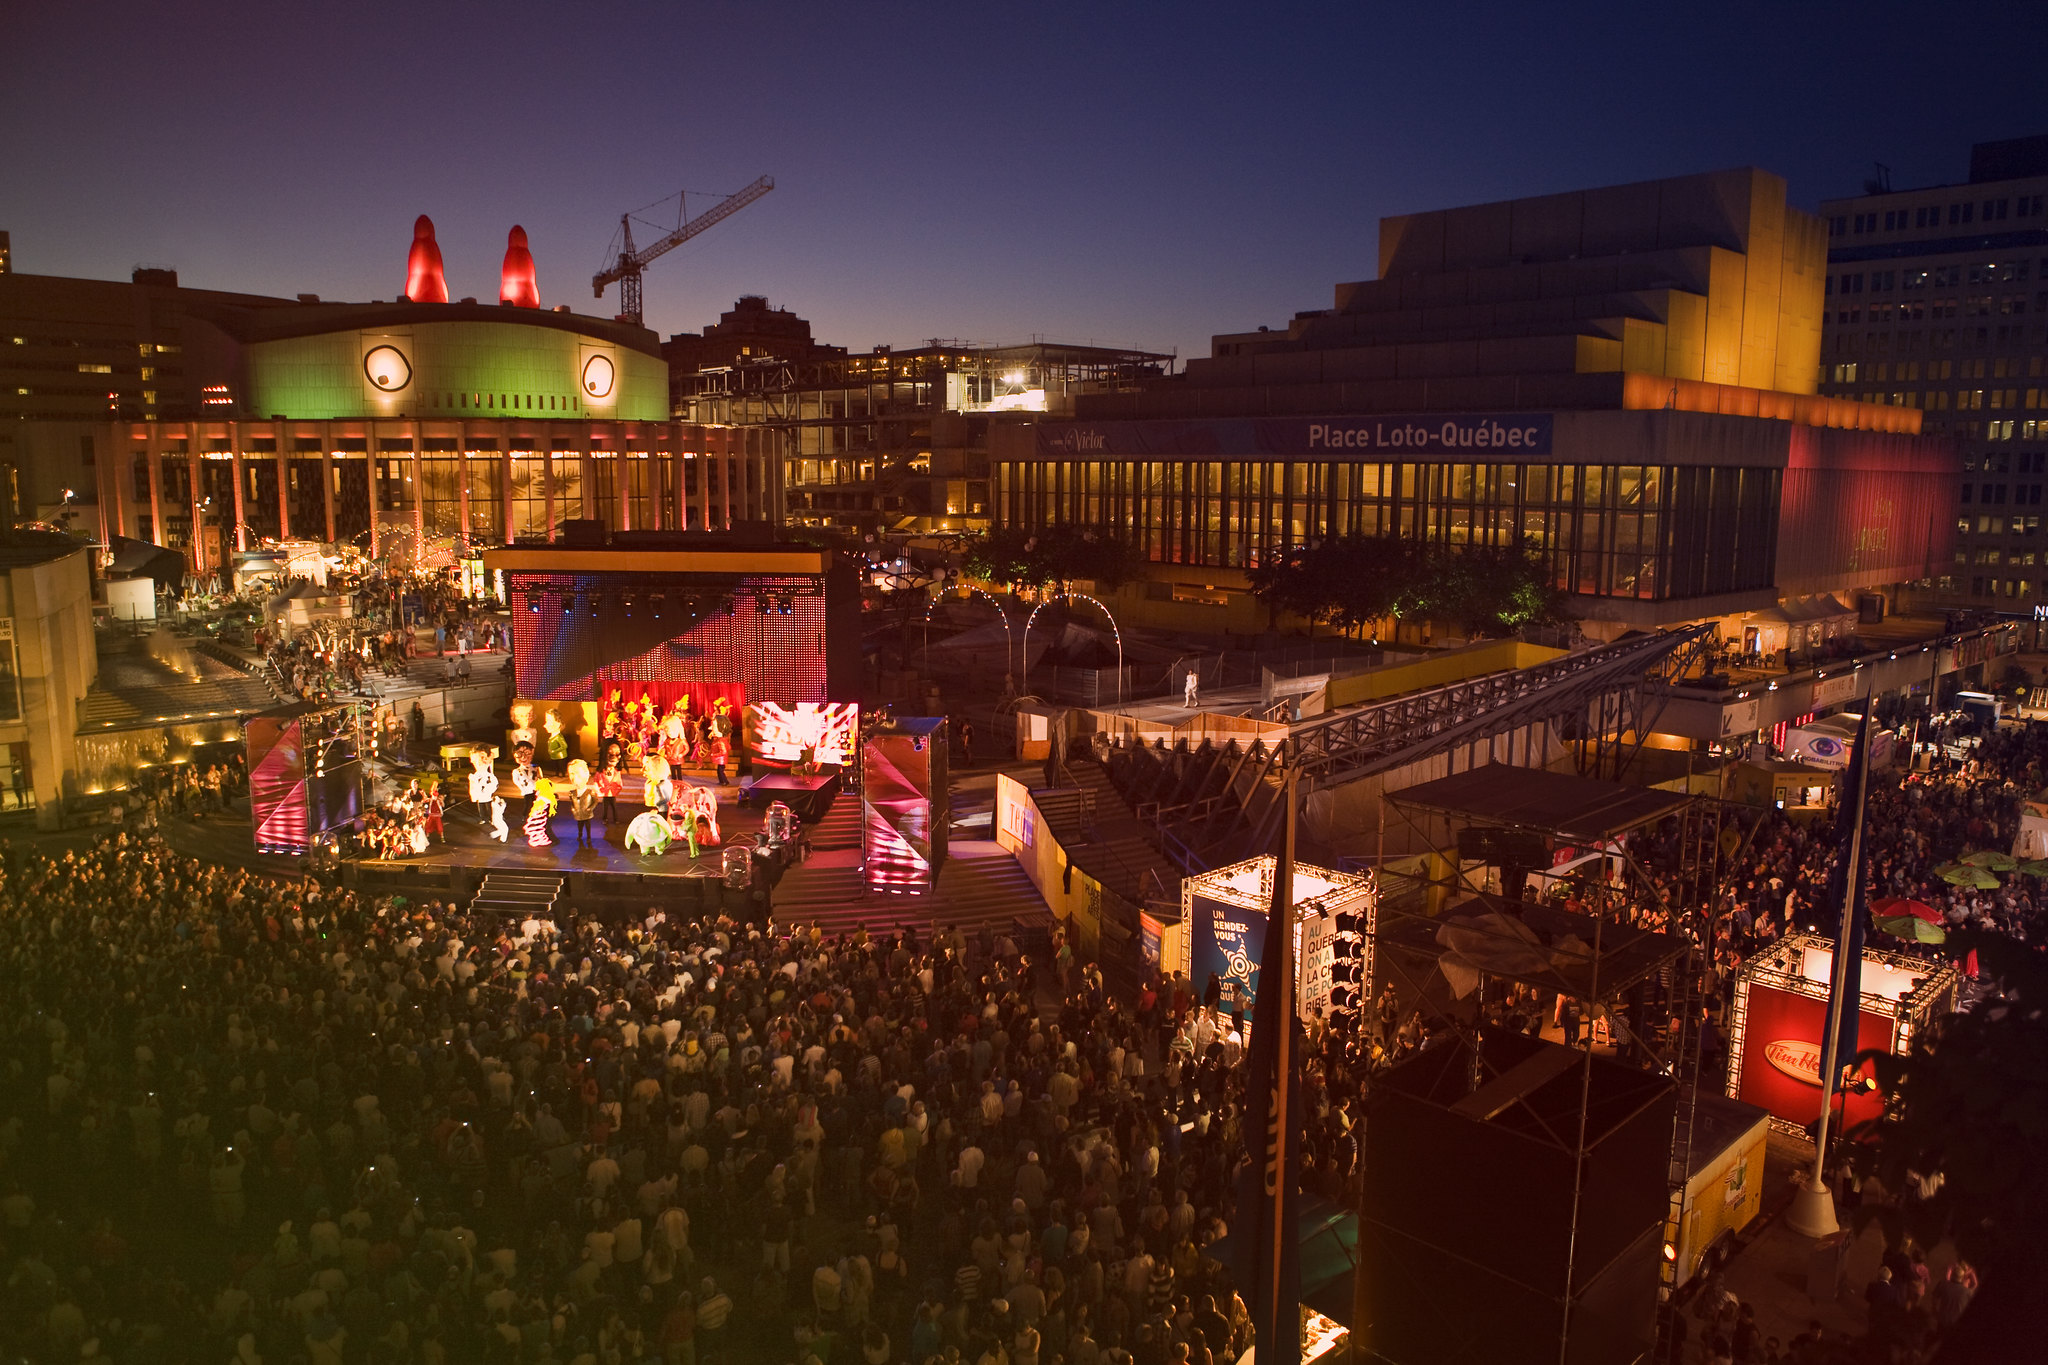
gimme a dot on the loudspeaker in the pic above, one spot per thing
(1467, 1253)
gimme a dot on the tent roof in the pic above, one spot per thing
(1576, 808)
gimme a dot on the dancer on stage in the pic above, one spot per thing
(430, 823)
(499, 830)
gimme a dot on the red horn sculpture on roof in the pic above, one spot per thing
(517, 285)
(423, 279)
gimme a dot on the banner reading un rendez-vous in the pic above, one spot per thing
(1488, 437)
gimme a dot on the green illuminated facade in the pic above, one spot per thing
(457, 369)
(420, 431)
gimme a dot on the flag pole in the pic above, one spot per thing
(1284, 1316)
(1813, 1207)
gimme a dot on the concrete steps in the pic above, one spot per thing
(522, 895)
(979, 883)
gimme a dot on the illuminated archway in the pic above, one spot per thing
(1009, 641)
(1114, 629)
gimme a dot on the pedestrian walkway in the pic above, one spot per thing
(1770, 1272)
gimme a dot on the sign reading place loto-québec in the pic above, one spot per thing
(1492, 437)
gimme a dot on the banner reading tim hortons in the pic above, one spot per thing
(1490, 437)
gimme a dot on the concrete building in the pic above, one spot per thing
(1623, 378)
(749, 332)
(1937, 300)
(900, 440)
(47, 662)
(77, 355)
(210, 421)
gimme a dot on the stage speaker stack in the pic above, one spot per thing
(905, 803)
(1481, 1239)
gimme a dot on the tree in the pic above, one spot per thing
(1016, 557)
(1354, 581)
(1007, 556)
(1971, 1093)
(1490, 590)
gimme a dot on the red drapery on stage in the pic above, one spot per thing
(703, 695)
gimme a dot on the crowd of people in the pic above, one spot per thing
(254, 1119)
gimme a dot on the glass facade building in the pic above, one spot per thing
(1628, 530)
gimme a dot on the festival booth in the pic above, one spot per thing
(1795, 788)
(1224, 914)
(904, 803)
(1777, 1022)
(2032, 840)
(301, 606)
(1829, 741)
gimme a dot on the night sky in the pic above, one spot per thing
(1140, 175)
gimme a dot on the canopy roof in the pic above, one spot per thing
(1580, 809)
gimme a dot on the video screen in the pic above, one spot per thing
(779, 737)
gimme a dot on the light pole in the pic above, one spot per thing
(1115, 630)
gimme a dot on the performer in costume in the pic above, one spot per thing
(718, 733)
(649, 833)
(431, 825)
(525, 777)
(483, 783)
(558, 743)
(655, 791)
(499, 830)
(582, 800)
(538, 834)
(609, 783)
(522, 725)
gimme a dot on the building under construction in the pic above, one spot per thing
(896, 440)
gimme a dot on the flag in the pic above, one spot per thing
(1845, 989)
(1268, 1250)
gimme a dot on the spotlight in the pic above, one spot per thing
(760, 606)
(533, 605)
(627, 602)
(657, 599)
(592, 599)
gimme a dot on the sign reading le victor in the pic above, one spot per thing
(1501, 436)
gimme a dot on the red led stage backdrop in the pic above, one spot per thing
(579, 636)
(903, 800)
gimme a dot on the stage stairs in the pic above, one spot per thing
(979, 883)
(522, 895)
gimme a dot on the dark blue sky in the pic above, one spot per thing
(1130, 174)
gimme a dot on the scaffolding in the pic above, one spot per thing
(1455, 932)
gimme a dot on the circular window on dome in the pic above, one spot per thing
(597, 377)
(387, 368)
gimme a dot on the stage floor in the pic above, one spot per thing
(469, 844)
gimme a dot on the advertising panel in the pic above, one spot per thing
(1228, 940)
(1781, 1048)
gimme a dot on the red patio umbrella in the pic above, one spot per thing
(1892, 907)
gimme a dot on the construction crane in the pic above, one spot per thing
(631, 261)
